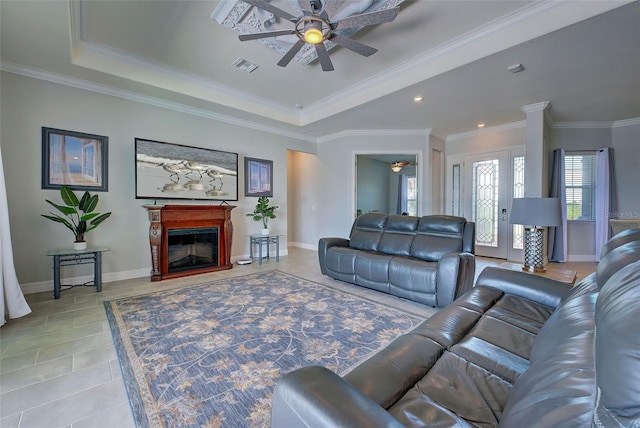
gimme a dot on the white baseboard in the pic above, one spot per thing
(37, 287)
(304, 246)
(581, 258)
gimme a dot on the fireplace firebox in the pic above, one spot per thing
(192, 248)
(189, 239)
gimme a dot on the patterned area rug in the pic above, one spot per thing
(209, 355)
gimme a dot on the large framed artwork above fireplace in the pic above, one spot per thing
(189, 239)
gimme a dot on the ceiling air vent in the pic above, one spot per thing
(244, 65)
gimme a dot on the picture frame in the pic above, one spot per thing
(175, 171)
(258, 177)
(74, 159)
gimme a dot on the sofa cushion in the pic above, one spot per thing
(367, 231)
(618, 349)
(453, 388)
(437, 236)
(558, 389)
(342, 260)
(616, 259)
(413, 275)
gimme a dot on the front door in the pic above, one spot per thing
(481, 188)
(486, 201)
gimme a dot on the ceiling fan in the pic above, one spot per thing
(397, 166)
(315, 27)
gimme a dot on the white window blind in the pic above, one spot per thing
(580, 171)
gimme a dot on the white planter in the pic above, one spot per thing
(265, 231)
(80, 245)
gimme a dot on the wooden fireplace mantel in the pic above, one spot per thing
(166, 217)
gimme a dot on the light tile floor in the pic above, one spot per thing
(58, 366)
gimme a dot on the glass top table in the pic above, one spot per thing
(266, 240)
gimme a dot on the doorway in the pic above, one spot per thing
(482, 189)
(379, 188)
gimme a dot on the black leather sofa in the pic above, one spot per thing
(518, 350)
(426, 259)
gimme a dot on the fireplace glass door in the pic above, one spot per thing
(194, 248)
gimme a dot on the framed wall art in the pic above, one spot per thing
(74, 159)
(258, 177)
(174, 171)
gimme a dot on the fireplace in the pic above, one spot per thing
(189, 239)
(193, 248)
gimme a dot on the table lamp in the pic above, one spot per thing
(535, 214)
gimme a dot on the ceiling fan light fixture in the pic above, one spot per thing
(396, 166)
(313, 33)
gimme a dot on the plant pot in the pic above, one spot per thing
(79, 245)
(265, 231)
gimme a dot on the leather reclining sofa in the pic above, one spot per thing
(517, 350)
(425, 259)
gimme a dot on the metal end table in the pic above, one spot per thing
(261, 240)
(77, 257)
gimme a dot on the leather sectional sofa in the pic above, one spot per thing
(426, 259)
(518, 350)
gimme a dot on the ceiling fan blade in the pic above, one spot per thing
(323, 55)
(286, 59)
(351, 44)
(253, 36)
(364, 19)
(261, 4)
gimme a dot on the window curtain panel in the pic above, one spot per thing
(604, 197)
(402, 194)
(12, 302)
(557, 240)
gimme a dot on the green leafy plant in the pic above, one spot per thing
(79, 215)
(263, 212)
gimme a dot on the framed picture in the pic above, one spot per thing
(174, 171)
(258, 177)
(74, 159)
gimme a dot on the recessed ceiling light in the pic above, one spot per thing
(515, 68)
(299, 106)
(418, 99)
(481, 125)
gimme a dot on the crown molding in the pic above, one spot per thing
(626, 122)
(531, 21)
(527, 23)
(492, 129)
(373, 132)
(144, 99)
(541, 106)
(595, 125)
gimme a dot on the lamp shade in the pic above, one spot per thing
(536, 212)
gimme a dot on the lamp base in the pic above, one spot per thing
(533, 250)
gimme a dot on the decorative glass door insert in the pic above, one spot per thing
(486, 175)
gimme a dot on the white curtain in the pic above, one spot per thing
(12, 302)
(604, 197)
(557, 245)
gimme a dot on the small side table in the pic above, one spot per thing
(261, 240)
(77, 257)
(562, 275)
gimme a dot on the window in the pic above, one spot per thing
(580, 171)
(412, 195)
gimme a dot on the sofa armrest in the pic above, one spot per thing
(540, 289)
(455, 276)
(323, 245)
(317, 397)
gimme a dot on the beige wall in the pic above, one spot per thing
(29, 104)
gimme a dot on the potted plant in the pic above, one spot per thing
(263, 212)
(79, 215)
